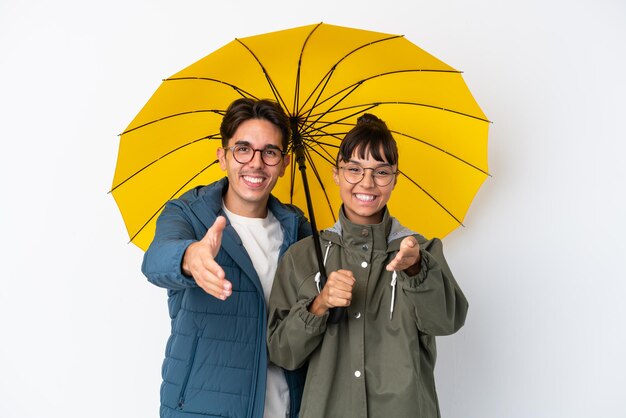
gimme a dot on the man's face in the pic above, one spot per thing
(251, 183)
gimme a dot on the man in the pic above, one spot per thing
(216, 249)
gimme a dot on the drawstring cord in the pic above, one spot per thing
(394, 280)
(318, 275)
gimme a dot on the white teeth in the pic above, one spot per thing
(364, 197)
(255, 180)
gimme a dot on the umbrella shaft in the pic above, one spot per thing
(298, 148)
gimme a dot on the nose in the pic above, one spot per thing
(368, 178)
(256, 161)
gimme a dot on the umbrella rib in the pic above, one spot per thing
(328, 75)
(375, 104)
(219, 112)
(307, 135)
(456, 157)
(296, 99)
(321, 115)
(327, 157)
(359, 83)
(327, 78)
(319, 179)
(411, 137)
(324, 134)
(171, 197)
(326, 143)
(267, 76)
(214, 136)
(239, 90)
(431, 197)
(321, 133)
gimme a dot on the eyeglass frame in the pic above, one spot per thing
(374, 176)
(254, 151)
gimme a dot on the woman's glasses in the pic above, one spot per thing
(354, 173)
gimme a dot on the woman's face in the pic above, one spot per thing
(364, 200)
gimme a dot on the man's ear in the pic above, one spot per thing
(221, 156)
(336, 175)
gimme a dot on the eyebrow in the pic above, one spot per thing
(247, 143)
(377, 166)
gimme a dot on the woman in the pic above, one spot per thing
(396, 287)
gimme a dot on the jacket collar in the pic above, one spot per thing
(387, 234)
(207, 205)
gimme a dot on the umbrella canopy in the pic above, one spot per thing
(324, 76)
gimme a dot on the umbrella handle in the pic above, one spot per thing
(336, 314)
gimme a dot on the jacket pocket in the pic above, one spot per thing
(183, 389)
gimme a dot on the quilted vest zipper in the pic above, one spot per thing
(259, 342)
(181, 398)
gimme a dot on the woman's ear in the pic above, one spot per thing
(336, 175)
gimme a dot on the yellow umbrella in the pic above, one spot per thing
(324, 76)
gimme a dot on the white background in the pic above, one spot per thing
(541, 258)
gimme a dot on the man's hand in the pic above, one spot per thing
(199, 262)
(337, 292)
(408, 258)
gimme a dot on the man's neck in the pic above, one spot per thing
(246, 210)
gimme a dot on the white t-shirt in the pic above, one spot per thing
(262, 239)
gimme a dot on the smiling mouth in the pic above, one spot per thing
(364, 197)
(253, 179)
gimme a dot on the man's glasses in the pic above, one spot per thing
(244, 154)
(354, 173)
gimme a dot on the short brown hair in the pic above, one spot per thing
(245, 109)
